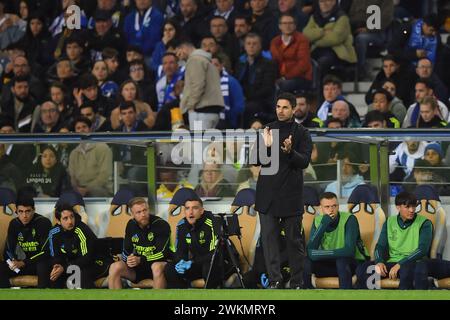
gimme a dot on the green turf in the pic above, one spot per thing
(200, 294)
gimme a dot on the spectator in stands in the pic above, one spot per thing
(292, 8)
(10, 175)
(350, 178)
(228, 42)
(112, 58)
(170, 182)
(209, 44)
(12, 27)
(129, 92)
(423, 89)
(375, 119)
(29, 232)
(165, 87)
(90, 165)
(425, 173)
(20, 106)
(263, 22)
(143, 234)
(341, 110)
(303, 114)
(194, 252)
(331, 38)
(72, 242)
(232, 93)
(74, 48)
(382, 101)
(365, 37)
(60, 97)
(401, 75)
(99, 122)
(397, 106)
(424, 70)
(201, 98)
(48, 176)
(21, 68)
(335, 247)
(146, 82)
(332, 91)
(104, 35)
(226, 9)
(107, 87)
(399, 257)
(88, 92)
(36, 40)
(21, 155)
(429, 118)
(423, 40)
(212, 183)
(132, 159)
(49, 118)
(401, 162)
(256, 75)
(116, 12)
(171, 30)
(64, 72)
(290, 51)
(58, 26)
(142, 27)
(242, 26)
(191, 19)
(252, 177)
(434, 155)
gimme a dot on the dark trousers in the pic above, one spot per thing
(87, 274)
(295, 244)
(40, 269)
(343, 268)
(411, 275)
(197, 271)
(325, 58)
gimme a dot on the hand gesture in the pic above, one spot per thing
(393, 273)
(381, 269)
(56, 272)
(287, 145)
(267, 136)
(133, 261)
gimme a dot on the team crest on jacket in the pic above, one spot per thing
(150, 236)
(202, 237)
(20, 236)
(33, 232)
(135, 238)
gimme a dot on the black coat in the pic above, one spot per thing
(281, 195)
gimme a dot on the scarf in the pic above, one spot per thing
(225, 87)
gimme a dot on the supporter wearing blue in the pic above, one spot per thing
(171, 30)
(424, 70)
(143, 27)
(424, 39)
(232, 93)
(165, 87)
(350, 178)
(107, 87)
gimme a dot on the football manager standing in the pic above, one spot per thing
(279, 196)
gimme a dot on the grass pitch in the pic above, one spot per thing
(222, 294)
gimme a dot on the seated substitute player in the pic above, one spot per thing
(146, 248)
(403, 245)
(72, 242)
(335, 247)
(24, 245)
(195, 244)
